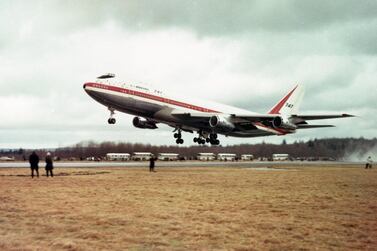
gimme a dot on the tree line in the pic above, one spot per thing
(332, 148)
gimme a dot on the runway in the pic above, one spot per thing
(241, 164)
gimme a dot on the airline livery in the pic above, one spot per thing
(151, 107)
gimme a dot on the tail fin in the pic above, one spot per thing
(290, 103)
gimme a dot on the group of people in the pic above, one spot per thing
(34, 164)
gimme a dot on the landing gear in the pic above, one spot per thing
(205, 138)
(213, 139)
(111, 120)
(200, 141)
(178, 137)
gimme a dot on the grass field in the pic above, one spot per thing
(297, 208)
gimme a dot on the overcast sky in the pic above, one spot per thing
(241, 53)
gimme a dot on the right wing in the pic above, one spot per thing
(315, 117)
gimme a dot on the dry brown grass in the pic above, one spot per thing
(323, 208)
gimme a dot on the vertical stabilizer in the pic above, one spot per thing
(290, 103)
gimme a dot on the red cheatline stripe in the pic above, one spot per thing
(276, 108)
(149, 96)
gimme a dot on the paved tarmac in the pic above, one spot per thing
(244, 164)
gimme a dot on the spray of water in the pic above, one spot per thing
(360, 155)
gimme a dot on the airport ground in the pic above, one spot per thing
(298, 207)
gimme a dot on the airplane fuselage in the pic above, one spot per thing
(151, 107)
(155, 106)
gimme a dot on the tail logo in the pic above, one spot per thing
(289, 105)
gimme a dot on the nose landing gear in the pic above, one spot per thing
(111, 120)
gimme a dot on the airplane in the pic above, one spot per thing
(151, 107)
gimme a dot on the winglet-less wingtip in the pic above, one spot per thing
(345, 115)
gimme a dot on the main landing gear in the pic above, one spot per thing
(111, 120)
(205, 138)
(178, 137)
(213, 139)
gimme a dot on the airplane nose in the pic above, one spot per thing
(84, 86)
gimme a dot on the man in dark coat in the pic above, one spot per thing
(151, 164)
(49, 165)
(34, 160)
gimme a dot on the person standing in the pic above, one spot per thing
(49, 165)
(369, 162)
(34, 160)
(151, 164)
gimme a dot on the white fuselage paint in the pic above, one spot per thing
(156, 106)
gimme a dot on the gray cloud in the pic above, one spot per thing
(244, 53)
(223, 17)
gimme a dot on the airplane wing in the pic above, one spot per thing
(247, 122)
(305, 126)
(301, 119)
(243, 122)
(236, 118)
(315, 117)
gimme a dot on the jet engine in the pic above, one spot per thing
(221, 123)
(143, 123)
(280, 122)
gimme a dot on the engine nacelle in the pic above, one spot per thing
(280, 122)
(221, 123)
(143, 123)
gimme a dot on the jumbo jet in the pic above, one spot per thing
(208, 119)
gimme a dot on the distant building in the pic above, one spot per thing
(118, 156)
(280, 156)
(226, 156)
(142, 156)
(206, 156)
(247, 157)
(168, 156)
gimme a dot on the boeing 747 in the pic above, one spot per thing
(151, 107)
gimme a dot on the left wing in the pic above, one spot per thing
(316, 117)
(262, 122)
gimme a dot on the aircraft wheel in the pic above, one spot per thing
(181, 141)
(208, 140)
(176, 135)
(195, 140)
(111, 121)
(217, 142)
(213, 136)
